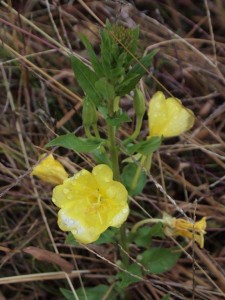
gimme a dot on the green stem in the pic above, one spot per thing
(96, 131)
(113, 152)
(87, 132)
(116, 172)
(145, 163)
(123, 241)
(136, 131)
(146, 221)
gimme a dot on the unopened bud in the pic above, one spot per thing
(89, 114)
(139, 102)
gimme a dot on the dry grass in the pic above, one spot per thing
(40, 99)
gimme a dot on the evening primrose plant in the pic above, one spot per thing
(94, 203)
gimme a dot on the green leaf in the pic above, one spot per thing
(107, 236)
(101, 157)
(166, 297)
(86, 78)
(145, 147)
(81, 145)
(135, 36)
(134, 75)
(127, 279)
(91, 293)
(93, 57)
(159, 260)
(70, 240)
(118, 119)
(104, 111)
(67, 294)
(143, 236)
(105, 89)
(128, 176)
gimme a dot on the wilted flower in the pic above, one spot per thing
(50, 170)
(91, 202)
(175, 227)
(168, 117)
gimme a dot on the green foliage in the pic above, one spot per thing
(92, 293)
(81, 145)
(101, 157)
(128, 174)
(143, 236)
(70, 240)
(134, 75)
(86, 79)
(159, 260)
(112, 69)
(118, 118)
(145, 147)
(105, 89)
(89, 113)
(96, 64)
(118, 46)
(108, 236)
(125, 279)
(166, 297)
(139, 103)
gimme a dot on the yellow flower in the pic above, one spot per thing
(168, 117)
(91, 202)
(175, 227)
(50, 170)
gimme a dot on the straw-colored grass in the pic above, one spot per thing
(40, 99)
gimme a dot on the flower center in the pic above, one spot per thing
(95, 204)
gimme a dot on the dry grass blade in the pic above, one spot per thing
(41, 99)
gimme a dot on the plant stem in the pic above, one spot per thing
(145, 163)
(113, 152)
(116, 174)
(96, 131)
(146, 221)
(136, 131)
(87, 132)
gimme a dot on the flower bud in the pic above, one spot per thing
(50, 170)
(139, 102)
(168, 117)
(89, 114)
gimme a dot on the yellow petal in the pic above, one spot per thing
(168, 117)
(90, 203)
(201, 225)
(50, 170)
(181, 227)
(74, 189)
(157, 114)
(116, 191)
(120, 216)
(197, 236)
(102, 173)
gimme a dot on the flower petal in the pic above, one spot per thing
(90, 203)
(168, 117)
(75, 189)
(116, 191)
(102, 173)
(50, 170)
(179, 118)
(120, 217)
(83, 221)
(157, 115)
(201, 224)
